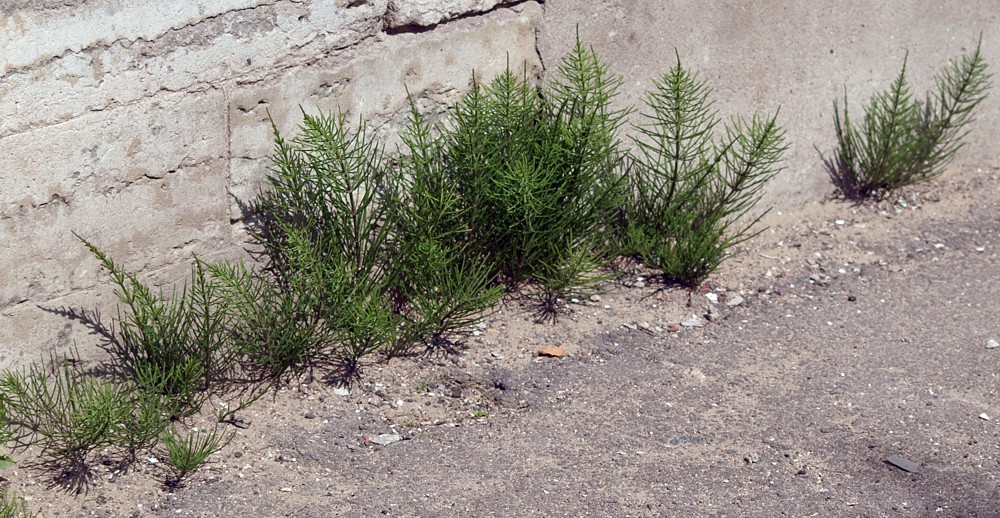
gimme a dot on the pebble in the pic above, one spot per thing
(734, 301)
(713, 297)
(342, 391)
(980, 249)
(645, 327)
(992, 344)
(694, 321)
(639, 284)
(840, 222)
(819, 279)
(386, 439)
(630, 325)
(553, 352)
(682, 440)
(984, 416)
(902, 463)
(752, 458)
(595, 298)
(309, 415)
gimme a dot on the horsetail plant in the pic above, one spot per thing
(905, 141)
(691, 191)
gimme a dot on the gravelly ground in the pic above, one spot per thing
(862, 336)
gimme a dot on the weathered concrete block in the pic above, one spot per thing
(136, 128)
(116, 62)
(795, 55)
(372, 82)
(422, 13)
(146, 182)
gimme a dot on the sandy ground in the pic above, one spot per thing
(840, 341)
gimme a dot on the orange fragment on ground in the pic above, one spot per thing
(555, 352)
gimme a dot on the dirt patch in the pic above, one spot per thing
(835, 366)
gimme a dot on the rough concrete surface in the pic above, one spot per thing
(798, 55)
(141, 126)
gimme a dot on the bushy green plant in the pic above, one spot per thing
(538, 173)
(440, 283)
(276, 330)
(689, 192)
(903, 140)
(326, 234)
(190, 452)
(70, 414)
(173, 346)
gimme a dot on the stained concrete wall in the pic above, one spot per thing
(797, 55)
(139, 124)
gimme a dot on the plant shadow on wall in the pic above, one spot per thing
(522, 191)
(902, 140)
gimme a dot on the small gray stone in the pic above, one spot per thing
(646, 328)
(682, 440)
(752, 458)
(342, 391)
(903, 464)
(992, 344)
(639, 284)
(595, 298)
(309, 414)
(819, 279)
(694, 321)
(630, 325)
(386, 439)
(734, 301)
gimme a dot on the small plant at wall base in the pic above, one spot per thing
(903, 140)
(69, 415)
(175, 347)
(538, 172)
(439, 276)
(689, 193)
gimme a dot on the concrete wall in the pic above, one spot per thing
(795, 54)
(138, 124)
